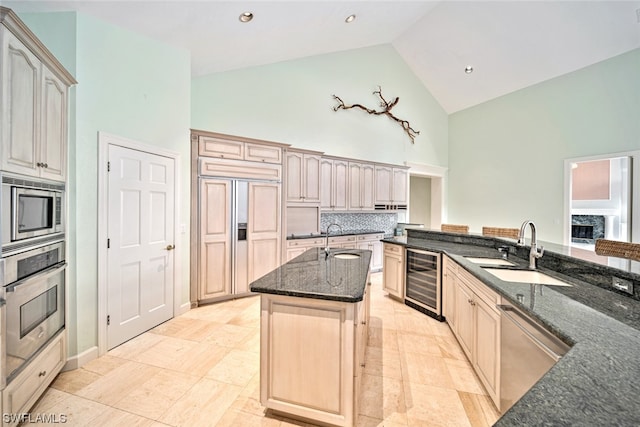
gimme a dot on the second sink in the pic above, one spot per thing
(525, 276)
(346, 256)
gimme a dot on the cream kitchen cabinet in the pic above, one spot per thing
(297, 247)
(333, 184)
(372, 242)
(476, 324)
(390, 186)
(393, 270)
(361, 186)
(25, 389)
(449, 286)
(231, 147)
(303, 177)
(34, 114)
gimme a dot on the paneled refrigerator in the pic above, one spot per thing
(239, 235)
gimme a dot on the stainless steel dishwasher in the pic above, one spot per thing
(528, 351)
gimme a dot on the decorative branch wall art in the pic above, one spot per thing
(386, 110)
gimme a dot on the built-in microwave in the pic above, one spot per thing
(31, 209)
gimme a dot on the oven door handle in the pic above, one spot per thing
(39, 276)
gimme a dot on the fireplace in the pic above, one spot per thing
(587, 228)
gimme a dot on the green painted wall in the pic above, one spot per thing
(130, 86)
(291, 102)
(506, 155)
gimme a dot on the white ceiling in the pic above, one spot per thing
(510, 44)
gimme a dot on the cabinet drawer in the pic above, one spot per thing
(214, 147)
(393, 249)
(262, 153)
(305, 242)
(26, 388)
(342, 239)
(490, 297)
(366, 237)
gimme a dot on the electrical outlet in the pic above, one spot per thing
(623, 285)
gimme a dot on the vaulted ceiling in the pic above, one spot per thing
(509, 44)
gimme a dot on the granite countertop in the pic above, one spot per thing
(314, 275)
(597, 381)
(334, 233)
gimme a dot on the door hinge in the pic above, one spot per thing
(108, 166)
(108, 243)
(108, 320)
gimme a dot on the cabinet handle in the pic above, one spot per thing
(46, 165)
(362, 365)
(42, 373)
(363, 322)
(39, 164)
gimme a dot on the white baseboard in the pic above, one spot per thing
(184, 308)
(79, 360)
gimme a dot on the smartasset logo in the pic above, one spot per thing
(34, 418)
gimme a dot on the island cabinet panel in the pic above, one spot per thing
(312, 356)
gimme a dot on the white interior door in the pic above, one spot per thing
(141, 192)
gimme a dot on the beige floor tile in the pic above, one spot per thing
(425, 369)
(450, 348)
(383, 398)
(235, 418)
(199, 359)
(203, 405)
(434, 406)
(252, 389)
(75, 410)
(166, 353)
(50, 399)
(105, 364)
(364, 421)
(383, 338)
(132, 348)
(383, 363)
(463, 376)
(248, 404)
(238, 368)
(409, 322)
(152, 398)
(116, 418)
(479, 409)
(251, 342)
(72, 381)
(187, 328)
(111, 387)
(230, 335)
(421, 344)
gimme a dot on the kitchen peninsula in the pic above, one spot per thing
(313, 334)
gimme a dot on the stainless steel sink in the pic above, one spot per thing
(525, 276)
(489, 261)
(346, 256)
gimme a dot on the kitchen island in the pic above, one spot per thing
(313, 333)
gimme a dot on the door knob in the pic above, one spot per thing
(170, 247)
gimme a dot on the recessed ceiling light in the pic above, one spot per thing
(245, 17)
(468, 69)
(350, 19)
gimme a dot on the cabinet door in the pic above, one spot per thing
(326, 179)
(294, 177)
(376, 256)
(464, 319)
(215, 239)
(399, 191)
(383, 176)
(311, 178)
(367, 188)
(20, 106)
(449, 286)
(262, 153)
(487, 346)
(355, 184)
(393, 274)
(340, 192)
(224, 149)
(53, 137)
(263, 229)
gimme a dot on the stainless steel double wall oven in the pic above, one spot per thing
(32, 267)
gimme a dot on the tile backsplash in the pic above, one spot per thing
(360, 221)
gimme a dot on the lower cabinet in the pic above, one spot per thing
(393, 270)
(25, 389)
(470, 310)
(312, 357)
(372, 242)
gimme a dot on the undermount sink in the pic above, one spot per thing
(489, 261)
(346, 256)
(525, 276)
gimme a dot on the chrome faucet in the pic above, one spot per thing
(534, 253)
(326, 245)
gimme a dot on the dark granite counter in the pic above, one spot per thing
(598, 381)
(314, 275)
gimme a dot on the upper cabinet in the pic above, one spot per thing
(391, 187)
(303, 177)
(234, 148)
(333, 184)
(361, 188)
(34, 103)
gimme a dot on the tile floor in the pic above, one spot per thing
(202, 369)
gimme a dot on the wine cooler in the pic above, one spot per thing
(423, 282)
